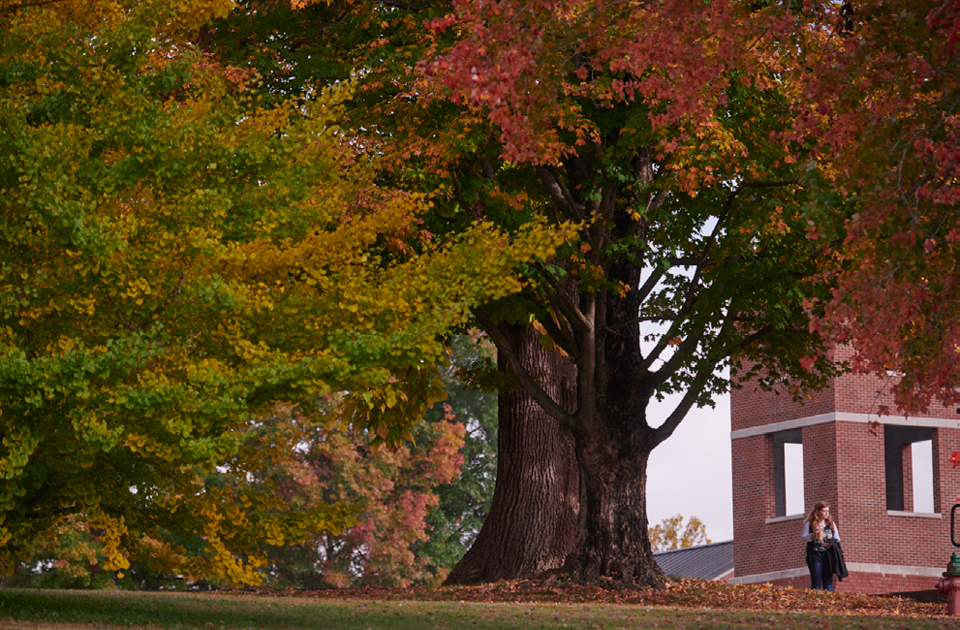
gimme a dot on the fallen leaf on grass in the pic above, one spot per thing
(684, 592)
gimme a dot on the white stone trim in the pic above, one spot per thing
(885, 570)
(903, 421)
(782, 426)
(770, 577)
(894, 569)
(842, 416)
(783, 519)
(920, 514)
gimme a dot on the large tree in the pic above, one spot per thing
(663, 130)
(179, 256)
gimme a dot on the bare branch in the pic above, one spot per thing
(607, 202)
(693, 392)
(487, 169)
(644, 291)
(692, 292)
(666, 429)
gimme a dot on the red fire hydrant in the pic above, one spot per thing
(949, 585)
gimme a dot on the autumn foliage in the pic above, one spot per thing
(225, 223)
(391, 491)
(179, 257)
(674, 134)
(882, 100)
(756, 601)
(672, 533)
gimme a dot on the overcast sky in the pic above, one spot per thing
(690, 473)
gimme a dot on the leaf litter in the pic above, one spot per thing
(682, 593)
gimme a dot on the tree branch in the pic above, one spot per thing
(684, 349)
(487, 169)
(561, 331)
(530, 384)
(560, 195)
(318, 32)
(693, 392)
(692, 293)
(644, 291)
(569, 310)
(670, 425)
(563, 338)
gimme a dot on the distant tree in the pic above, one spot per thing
(671, 533)
(385, 541)
(464, 502)
(70, 557)
(391, 491)
(417, 509)
(420, 505)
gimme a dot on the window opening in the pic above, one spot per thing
(780, 440)
(793, 478)
(922, 460)
(906, 481)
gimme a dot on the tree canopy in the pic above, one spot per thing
(658, 129)
(882, 100)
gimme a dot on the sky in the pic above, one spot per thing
(690, 474)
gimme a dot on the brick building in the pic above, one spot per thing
(863, 473)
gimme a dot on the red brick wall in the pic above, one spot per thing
(864, 393)
(761, 547)
(869, 535)
(946, 487)
(753, 501)
(862, 505)
(750, 406)
(820, 457)
(877, 583)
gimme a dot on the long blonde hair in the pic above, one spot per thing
(812, 516)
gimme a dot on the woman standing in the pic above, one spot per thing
(820, 534)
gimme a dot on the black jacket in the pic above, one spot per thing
(833, 561)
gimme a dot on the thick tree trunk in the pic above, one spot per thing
(532, 523)
(612, 539)
(613, 447)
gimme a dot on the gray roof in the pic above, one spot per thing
(706, 562)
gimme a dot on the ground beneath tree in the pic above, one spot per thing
(685, 593)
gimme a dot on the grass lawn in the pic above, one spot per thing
(359, 610)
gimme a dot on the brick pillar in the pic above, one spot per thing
(906, 455)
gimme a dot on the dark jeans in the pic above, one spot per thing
(817, 578)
